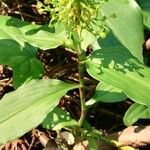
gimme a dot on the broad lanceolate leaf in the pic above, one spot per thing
(26, 108)
(58, 119)
(22, 60)
(106, 93)
(117, 67)
(135, 112)
(124, 18)
(39, 36)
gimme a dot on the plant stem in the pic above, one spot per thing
(81, 68)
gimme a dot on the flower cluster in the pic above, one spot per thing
(75, 13)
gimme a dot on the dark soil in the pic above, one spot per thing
(61, 64)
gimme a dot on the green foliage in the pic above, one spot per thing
(74, 25)
(92, 143)
(146, 19)
(106, 93)
(135, 112)
(145, 5)
(58, 119)
(46, 39)
(22, 60)
(117, 67)
(124, 18)
(76, 14)
(25, 108)
(16, 51)
(109, 41)
(39, 36)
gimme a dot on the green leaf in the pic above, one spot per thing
(48, 40)
(124, 18)
(88, 39)
(106, 93)
(58, 119)
(37, 35)
(44, 40)
(117, 67)
(92, 143)
(144, 4)
(14, 29)
(109, 41)
(25, 108)
(146, 19)
(22, 60)
(135, 112)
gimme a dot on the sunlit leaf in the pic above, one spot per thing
(22, 60)
(58, 119)
(117, 67)
(88, 39)
(146, 19)
(37, 35)
(135, 112)
(25, 108)
(46, 39)
(106, 93)
(124, 18)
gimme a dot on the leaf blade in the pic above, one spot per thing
(135, 112)
(58, 119)
(127, 25)
(22, 60)
(117, 67)
(107, 94)
(26, 108)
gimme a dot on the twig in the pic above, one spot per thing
(32, 142)
(20, 13)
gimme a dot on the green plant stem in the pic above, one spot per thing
(81, 68)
